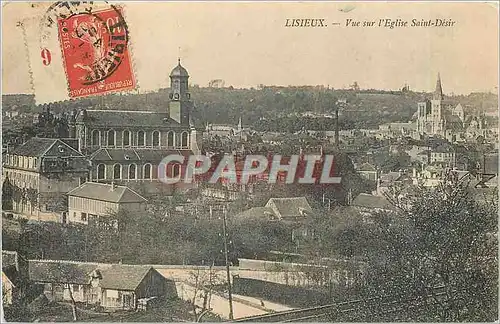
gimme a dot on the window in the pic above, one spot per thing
(126, 138)
(147, 171)
(176, 170)
(154, 174)
(84, 217)
(117, 171)
(132, 169)
(101, 172)
(170, 139)
(111, 137)
(96, 137)
(184, 140)
(141, 138)
(156, 138)
(76, 288)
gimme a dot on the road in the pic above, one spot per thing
(243, 306)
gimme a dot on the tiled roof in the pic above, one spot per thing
(60, 271)
(289, 207)
(106, 192)
(129, 118)
(123, 277)
(366, 167)
(35, 146)
(370, 201)
(114, 276)
(257, 213)
(123, 154)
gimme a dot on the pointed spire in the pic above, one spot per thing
(438, 93)
(239, 125)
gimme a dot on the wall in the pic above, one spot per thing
(279, 293)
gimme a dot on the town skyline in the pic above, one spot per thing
(228, 41)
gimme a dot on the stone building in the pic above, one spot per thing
(38, 174)
(125, 147)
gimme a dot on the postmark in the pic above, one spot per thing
(88, 44)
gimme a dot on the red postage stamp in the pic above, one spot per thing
(95, 53)
(78, 49)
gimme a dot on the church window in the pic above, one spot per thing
(184, 140)
(96, 136)
(126, 138)
(141, 138)
(132, 171)
(176, 170)
(111, 137)
(147, 171)
(170, 139)
(154, 174)
(117, 171)
(156, 138)
(101, 172)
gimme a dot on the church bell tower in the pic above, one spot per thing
(180, 98)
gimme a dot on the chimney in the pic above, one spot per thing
(113, 186)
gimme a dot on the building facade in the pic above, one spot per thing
(38, 174)
(98, 202)
(126, 147)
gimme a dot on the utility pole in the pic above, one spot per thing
(224, 232)
(337, 125)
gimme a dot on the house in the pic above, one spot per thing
(443, 155)
(127, 286)
(112, 286)
(294, 212)
(289, 209)
(368, 171)
(38, 174)
(94, 200)
(368, 204)
(64, 279)
(8, 290)
(14, 270)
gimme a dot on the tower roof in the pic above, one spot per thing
(438, 93)
(179, 71)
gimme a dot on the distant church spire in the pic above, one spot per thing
(239, 125)
(438, 93)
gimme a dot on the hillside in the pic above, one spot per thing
(271, 108)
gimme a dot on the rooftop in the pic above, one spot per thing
(364, 200)
(289, 207)
(123, 277)
(132, 118)
(130, 154)
(107, 192)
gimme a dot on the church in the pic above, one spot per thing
(125, 147)
(439, 117)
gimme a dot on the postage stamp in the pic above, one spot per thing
(82, 48)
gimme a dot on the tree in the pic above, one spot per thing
(440, 237)
(204, 282)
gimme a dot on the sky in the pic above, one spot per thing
(247, 44)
